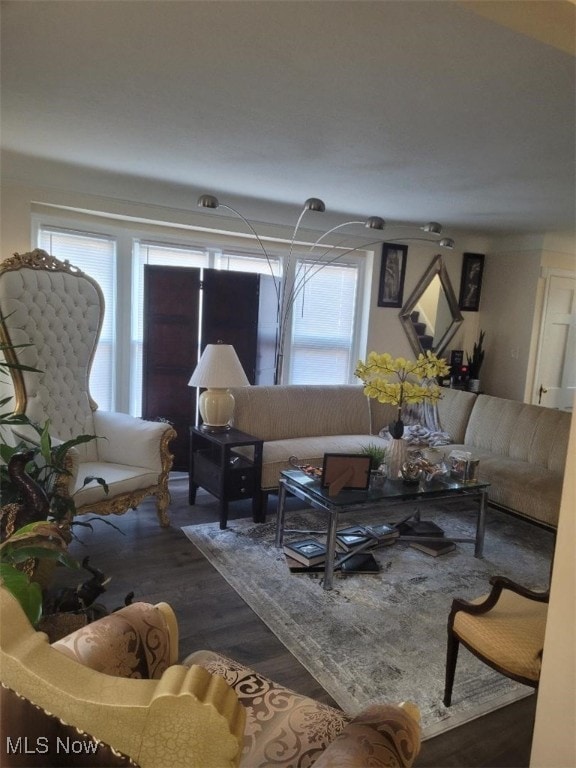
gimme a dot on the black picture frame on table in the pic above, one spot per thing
(392, 274)
(471, 282)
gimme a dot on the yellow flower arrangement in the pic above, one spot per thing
(398, 381)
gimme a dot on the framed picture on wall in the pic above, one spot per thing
(471, 282)
(392, 273)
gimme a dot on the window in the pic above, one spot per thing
(242, 262)
(95, 255)
(323, 325)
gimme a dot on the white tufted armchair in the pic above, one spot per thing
(57, 310)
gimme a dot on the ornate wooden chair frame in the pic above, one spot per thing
(41, 296)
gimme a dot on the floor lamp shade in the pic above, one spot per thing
(218, 369)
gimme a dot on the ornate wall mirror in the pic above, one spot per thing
(431, 316)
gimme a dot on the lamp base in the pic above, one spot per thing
(211, 428)
(216, 408)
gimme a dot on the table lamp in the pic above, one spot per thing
(218, 369)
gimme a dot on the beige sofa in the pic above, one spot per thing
(522, 451)
(522, 448)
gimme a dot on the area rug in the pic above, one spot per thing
(382, 637)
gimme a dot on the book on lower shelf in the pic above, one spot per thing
(434, 548)
(361, 562)
(295, 566)
(306, 551)
(420, 528)
(366, 536)
(383, 532)
(353, 536)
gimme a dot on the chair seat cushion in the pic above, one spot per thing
(120, 478)
(510, 635)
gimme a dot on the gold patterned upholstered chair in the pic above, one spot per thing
(505, 629)
(52, 312)
(113, 693)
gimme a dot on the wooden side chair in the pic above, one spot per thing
(504, 629)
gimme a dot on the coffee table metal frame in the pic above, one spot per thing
(308, 489)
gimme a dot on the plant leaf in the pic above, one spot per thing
(28, 594)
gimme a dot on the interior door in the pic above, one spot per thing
(555, 381)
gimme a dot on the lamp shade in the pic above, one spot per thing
(219, 368)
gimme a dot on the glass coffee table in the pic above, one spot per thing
(297, 483)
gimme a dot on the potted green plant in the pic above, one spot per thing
(475, 361)
(20, 554)
(47, 466)
(29, 554)
(377, 455)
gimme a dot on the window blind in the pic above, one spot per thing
(323, 326)
(95, 255)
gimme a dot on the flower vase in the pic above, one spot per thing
(396, 458)
(397, 450)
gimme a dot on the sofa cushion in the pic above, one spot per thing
(454, 409)
(298, 410)
(120, 479)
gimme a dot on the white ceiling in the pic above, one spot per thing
(406, 109)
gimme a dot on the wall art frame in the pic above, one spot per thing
(471, 282)
(392, 274)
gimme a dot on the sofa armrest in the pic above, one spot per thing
(188, 718)
(130, 440)
(381, 735)
(285, 728)
(138, 641)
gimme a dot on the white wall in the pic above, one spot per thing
(554, 741)
(509, 294)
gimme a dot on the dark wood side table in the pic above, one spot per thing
(229, 475)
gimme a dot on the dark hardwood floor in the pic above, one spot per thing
(161, 564)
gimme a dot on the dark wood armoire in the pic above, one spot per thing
(187, 308)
